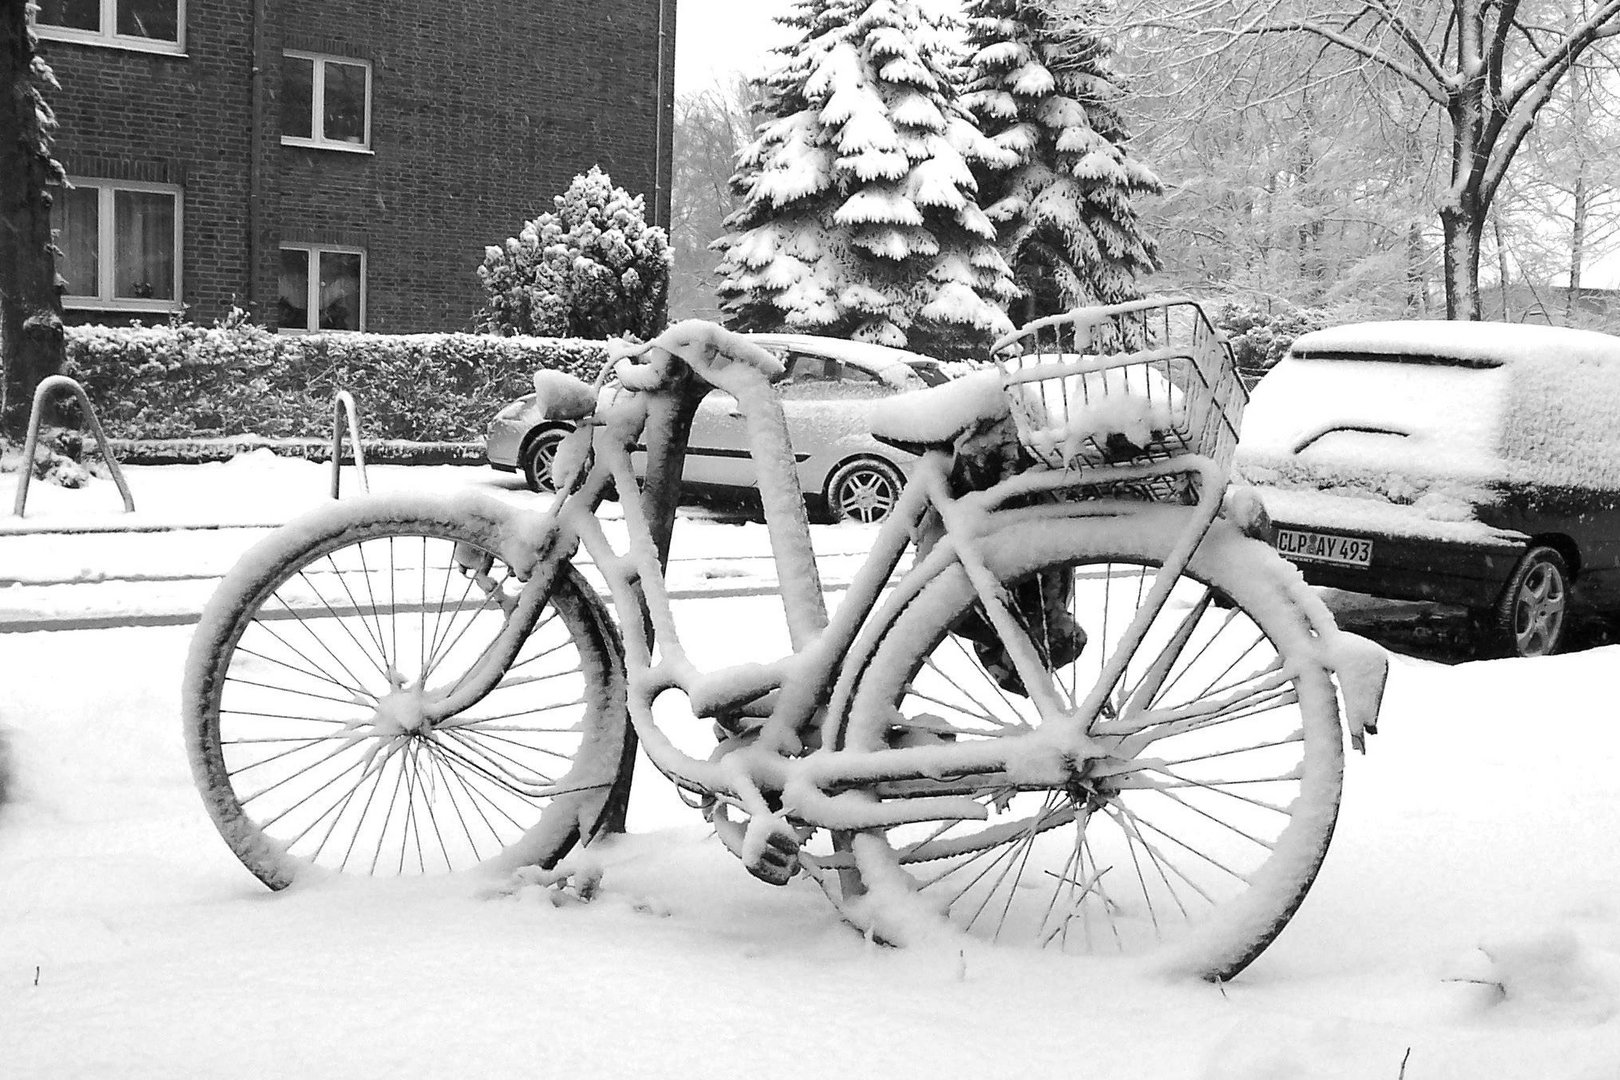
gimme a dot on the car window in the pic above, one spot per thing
(1333, 409)
(820, 378)
(808, 369)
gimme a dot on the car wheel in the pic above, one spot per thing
(864, 490)
(1533, 615)
(538, 456)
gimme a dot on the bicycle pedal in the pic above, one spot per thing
(778, 861)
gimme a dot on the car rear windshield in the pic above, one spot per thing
(1375, 414)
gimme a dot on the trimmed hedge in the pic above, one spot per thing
(182, 381)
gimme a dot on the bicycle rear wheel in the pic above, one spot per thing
(306, 684)
(1193, 844)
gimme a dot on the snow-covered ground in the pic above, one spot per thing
(1467, 923)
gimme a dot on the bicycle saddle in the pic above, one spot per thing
(935, 416)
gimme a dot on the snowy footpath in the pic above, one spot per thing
(1466, 924)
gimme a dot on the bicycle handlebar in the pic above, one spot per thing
(718, 356)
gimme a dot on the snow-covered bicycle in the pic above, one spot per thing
(1089, 712)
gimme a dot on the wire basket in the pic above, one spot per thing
(1123, 385)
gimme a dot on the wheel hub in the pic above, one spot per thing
(400, 712)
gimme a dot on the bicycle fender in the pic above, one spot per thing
(1362, 670)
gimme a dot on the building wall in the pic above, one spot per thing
(126, 115)
(481, 111)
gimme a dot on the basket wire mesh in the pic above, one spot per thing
(1123, 385)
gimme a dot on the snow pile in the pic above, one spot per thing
(1106, 414)
(1553, 975)
(939, 413)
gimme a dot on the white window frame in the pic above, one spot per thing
(318, 103)
(108, 37)
(106, 248)
(312, 307)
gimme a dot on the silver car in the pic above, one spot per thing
(828, 393)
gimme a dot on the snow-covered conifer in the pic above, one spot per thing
(1060, 191)
(592, 268)
(860, 215)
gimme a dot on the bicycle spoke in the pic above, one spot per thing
(983, 711)
(381, 670)
(349, 702)
(1178, 800)
(359, 610)
(355, 687)
(376, 612)
(1139, 823)
(495, 761)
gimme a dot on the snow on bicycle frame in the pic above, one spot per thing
(848, 733)
(647, 398)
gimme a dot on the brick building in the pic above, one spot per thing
(337, 163)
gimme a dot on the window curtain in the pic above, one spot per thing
(143, 246)
(155, 19)
(77, 211)
(73, 14)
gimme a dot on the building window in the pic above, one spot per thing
(322, 288)
(120, 243)
(325, 101)
(147, 25)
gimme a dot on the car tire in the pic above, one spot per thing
(1532, 617)
(864, 490)
(538, 454)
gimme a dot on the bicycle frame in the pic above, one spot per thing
(787, 760)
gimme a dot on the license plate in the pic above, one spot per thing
(1303, 545)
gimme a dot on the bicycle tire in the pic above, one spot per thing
(1025, 870)
(302, 689)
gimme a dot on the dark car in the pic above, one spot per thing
(1475, 464)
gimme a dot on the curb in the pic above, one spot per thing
(377, 451)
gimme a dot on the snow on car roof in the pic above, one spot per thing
(1443, 401)
(1471, 344)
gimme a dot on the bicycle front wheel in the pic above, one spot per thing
(1192, 843)
(312, 674)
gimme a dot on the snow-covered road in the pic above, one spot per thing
(1466, 922)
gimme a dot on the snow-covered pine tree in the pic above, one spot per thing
(859, 216)
(1060, 193)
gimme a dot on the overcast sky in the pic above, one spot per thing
(717, 38)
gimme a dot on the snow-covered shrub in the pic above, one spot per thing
(591, 268)
(1259, 338)
(182, 381)
(59, 456)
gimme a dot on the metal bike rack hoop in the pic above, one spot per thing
(48, 386)
(343, 402)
